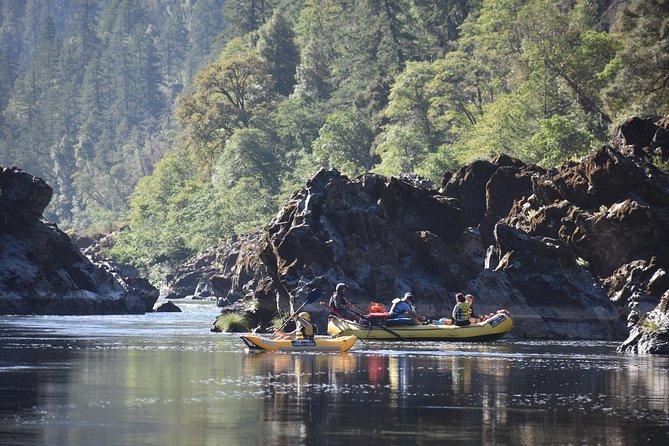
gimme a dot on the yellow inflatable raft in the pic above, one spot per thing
(489, 330)
(319, 344)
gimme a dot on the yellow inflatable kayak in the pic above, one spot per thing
(488, 330)
(319, 344)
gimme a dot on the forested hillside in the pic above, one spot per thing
(389, 86)
(86, 93)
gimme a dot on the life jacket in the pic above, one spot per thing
(394, 304)
(462, 312)
(376, 307)
(394, 312)
(306, 330)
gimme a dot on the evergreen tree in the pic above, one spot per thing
(6, 85)
(172, 44)
(438, 23)
(317, 51)
(81, 42)
(278, 48)
(245, 16)
(11, 44)
(205, 23)
(640, 71)
(33, 109)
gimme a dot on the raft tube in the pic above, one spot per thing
(319, 344)
(488, 330)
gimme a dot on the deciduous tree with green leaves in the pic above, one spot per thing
(228, 92)
(344, 143)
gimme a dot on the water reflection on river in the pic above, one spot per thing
(164, 379)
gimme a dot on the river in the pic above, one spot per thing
(164, 379)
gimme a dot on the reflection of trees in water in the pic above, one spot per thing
(301, 391)
(25, 382)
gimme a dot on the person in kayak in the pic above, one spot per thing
(404, 307)
(461, 311)
(340, 303)
(304, 329)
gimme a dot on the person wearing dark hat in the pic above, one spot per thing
(404, 307)
(339, 302)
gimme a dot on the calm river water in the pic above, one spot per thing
(164, 379)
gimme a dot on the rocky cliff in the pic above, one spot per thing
(578, 251)
(42, 272)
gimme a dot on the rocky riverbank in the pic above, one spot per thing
(43, 272)
(579, 251)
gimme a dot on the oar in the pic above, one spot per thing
(337, 314)
(401, 338)
(311, 298)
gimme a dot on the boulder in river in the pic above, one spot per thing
(166, 306)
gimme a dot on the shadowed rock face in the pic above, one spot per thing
(380, 235)
(385, 236)
(42, 272)
(23, 198)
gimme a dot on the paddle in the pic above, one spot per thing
(333, 311)
(383, 327)
(311, 298)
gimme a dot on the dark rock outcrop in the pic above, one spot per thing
(166, 306)
(42, 272)
(539, 280)
(192, 280)
(384, 236)
(23, 198)
(650, 335)
(577, 251)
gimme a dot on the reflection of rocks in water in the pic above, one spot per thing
(557, 392)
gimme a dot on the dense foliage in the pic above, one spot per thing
(389, 86)
(86, 91)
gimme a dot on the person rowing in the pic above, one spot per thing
(404, 307)
(304, 329)
(340, 303)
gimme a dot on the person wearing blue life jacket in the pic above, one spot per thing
(404, 307)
